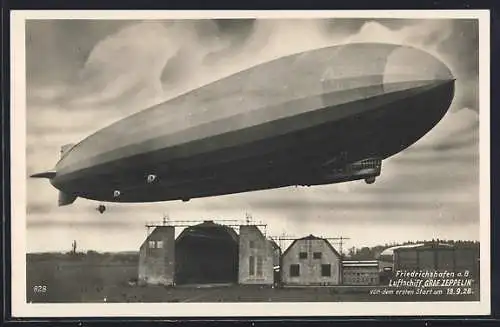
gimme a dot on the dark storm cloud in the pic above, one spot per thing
(235, 31)
(173, 69)
(352, 26)
(237, 27)
(462, 49)
(230, 34)
(343, 26)
(57, 49)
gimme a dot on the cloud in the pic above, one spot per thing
(293, 204)
(85, 75)
(57, 49)
(125, 60)
(453, 141)
(455, 42)
(81, 225)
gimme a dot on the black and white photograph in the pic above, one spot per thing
(246, 163)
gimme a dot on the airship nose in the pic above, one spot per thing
(410, 65)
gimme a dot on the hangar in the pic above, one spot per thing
(438, 257)
(214, 253)
(207, 253)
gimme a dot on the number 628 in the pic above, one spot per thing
(40, 288)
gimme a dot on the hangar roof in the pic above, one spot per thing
(209, 229)
(390, 251)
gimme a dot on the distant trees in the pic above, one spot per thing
(365, 253)
(90, 256)
(92, 253)
(351, 252)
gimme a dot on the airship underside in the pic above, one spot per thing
(323, 116)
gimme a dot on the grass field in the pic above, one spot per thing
(53, 278)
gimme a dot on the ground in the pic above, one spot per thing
(97, 278)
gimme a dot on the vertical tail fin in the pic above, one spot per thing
(66, 148)
(66, 198)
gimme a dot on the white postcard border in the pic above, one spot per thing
(18, 183)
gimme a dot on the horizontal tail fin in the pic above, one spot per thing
(46, 174)
(66, 198)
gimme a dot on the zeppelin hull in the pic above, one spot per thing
(247, 162)
(268, 127)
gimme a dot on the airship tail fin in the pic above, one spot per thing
(65, 148)
(66, 198)
(46, 174)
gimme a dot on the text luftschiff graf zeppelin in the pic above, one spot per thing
(424, 282)
(425, 278)
(431, 282)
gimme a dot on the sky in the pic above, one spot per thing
(83, 75)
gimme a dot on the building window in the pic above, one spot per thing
(251, 265)
(252, 244)
(303, 255)
(151, 244)
(317, 255)
(159, 244)
(259, 266)
(294, 270)
(326, 270)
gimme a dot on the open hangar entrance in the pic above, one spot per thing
(206, 253)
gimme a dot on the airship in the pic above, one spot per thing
(323, 116)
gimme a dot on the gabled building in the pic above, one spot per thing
(311, 261)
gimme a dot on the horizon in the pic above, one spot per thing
(357, 247)
(277, 239)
